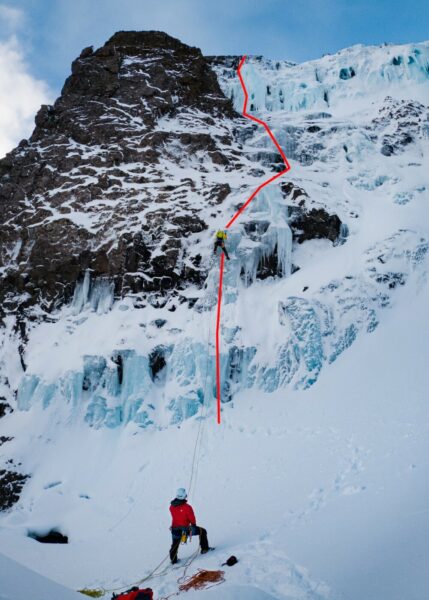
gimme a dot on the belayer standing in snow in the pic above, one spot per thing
(184, 524)
(220, 242)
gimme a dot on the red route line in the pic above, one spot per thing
(219, 303)
(237, 214)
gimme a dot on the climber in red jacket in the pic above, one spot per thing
(184, 522)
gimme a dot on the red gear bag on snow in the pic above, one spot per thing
(135, 594)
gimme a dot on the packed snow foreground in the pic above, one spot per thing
(317, 478)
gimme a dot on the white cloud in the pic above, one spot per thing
(20, 96)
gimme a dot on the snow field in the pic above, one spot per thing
(319, 477)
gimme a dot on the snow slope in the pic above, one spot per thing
(236, 592)
(317, 478)
(19, 583)
(333, 477)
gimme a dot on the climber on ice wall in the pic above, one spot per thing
(220, 242)
(184, 524)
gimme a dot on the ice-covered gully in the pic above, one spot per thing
(130, 333)
(125, 385)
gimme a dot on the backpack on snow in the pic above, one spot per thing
(135, 594)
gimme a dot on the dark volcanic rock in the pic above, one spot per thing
(269, 266)
(157, 361)
(131, 65)
(405, 121)
(306, 220)
(11, 484)
(5, 408)
(52, 537)
(317, 223)
(94, 187)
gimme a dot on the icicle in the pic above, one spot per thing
(81, 292)
(343, 235)
(99, 295)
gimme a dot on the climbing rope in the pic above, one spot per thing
(200, 579)
(202, 416)
(202, 419)
(183, 577)
(98, 593)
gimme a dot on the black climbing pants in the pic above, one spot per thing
(220, 244)
(176, 533)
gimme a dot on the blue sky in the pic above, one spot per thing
(40, 38)
(52, 32)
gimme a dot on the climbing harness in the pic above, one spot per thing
(186, 535)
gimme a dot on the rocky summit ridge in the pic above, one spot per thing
(94, 187)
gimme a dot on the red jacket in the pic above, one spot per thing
(182, 514)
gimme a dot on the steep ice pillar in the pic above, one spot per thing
(81, 292)
(71, 387)
(238, 371)
(102, 295)
(26, 390)
(136, 387)
(191, 367)
(265, 239)
(118, 394)
(97, 294)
